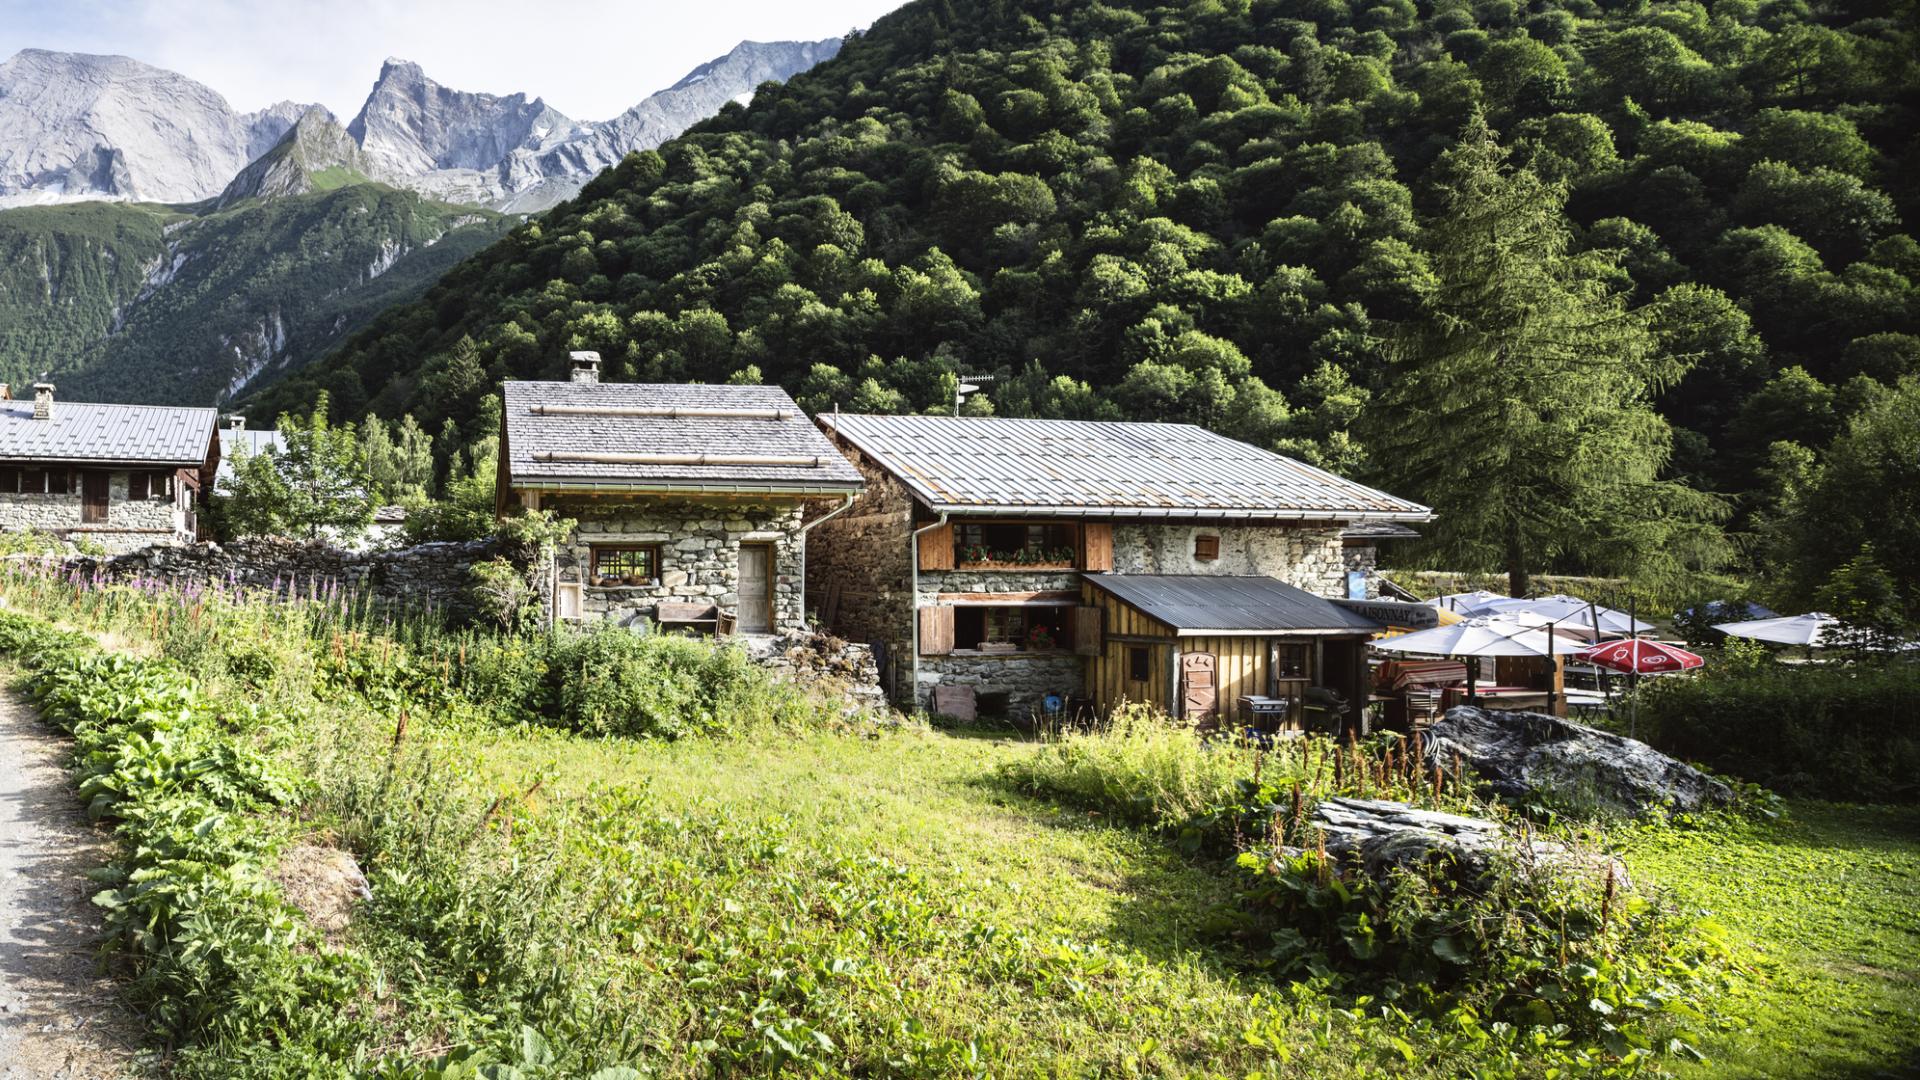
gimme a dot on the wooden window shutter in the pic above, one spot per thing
(936, 631)
(1206, 547)
(936, 549)
(1086, 631)
(1096, 546)
(136, 486)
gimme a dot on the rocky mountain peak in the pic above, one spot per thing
(314, 154)
(411, 124)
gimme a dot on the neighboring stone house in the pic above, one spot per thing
(237, 443)
(692, 502)
(119, 476)
(967, 560)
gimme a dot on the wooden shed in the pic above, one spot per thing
(1195, 645)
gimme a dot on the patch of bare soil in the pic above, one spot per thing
(60, 1017)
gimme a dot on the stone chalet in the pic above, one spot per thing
(693, 502)
(1011, 561)
(122, 476)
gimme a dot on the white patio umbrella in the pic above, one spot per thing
(1573, 613)
(1493, 635)
(1810, 629)
(1466, 603)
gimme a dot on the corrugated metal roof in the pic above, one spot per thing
(1221, 602)
(80, 431)
(1095, 468)
(532, 436)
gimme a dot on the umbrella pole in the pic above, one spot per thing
(1633, 677)
(1473, 662)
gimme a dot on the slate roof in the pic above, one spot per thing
(81, 432)
(1086, 468)
(532, 436)
(1197, 603)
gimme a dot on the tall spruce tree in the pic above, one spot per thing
(1518, 403)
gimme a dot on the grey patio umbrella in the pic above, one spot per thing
(1809, 630)
(1572, 613)
(1492, 635)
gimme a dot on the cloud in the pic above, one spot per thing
(590, 60)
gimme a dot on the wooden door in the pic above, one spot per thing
(93, 498)
(756, 589)
(1199, 686)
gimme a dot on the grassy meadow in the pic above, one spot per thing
(813, 894)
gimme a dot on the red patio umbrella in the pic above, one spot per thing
(1641, 656)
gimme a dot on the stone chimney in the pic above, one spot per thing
(586, 366)
(43, 401)
(236, 422)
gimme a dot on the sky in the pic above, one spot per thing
(590, 60)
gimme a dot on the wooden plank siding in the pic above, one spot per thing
(1241, 663)
(1108, 681)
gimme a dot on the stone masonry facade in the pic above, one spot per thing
(1305, 556)
(131, 523)
(860, 570)
(699, 548)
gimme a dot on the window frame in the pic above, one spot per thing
(1139, 663)
(595, 552)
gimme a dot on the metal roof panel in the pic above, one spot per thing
(80, 431)
(962, 464)
(1223, 602)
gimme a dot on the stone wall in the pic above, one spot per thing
(699, 555)
(859, 567)
(1024, 678)
(1305, 556)
(430, 577)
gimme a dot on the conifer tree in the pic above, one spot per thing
(1518, 403)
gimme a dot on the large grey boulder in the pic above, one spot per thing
(1526, 754)
(1380, 837)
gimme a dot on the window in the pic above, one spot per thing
(1014, 543)
(1206, 548)
(1137, 664)
(56, 481)
(136, 486)
(32, 481)
(625, 565)
(9, 479)
(1010, 629)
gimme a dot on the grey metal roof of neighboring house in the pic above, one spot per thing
(531, 436)
(1200, 602)
(234, 443)
(1088, 468)
(1378, 530)
(80, 432)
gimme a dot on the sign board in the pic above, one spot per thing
(1395, 613)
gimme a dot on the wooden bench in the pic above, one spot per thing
(698, 618)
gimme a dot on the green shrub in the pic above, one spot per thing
(611, 681)
(1841, 733)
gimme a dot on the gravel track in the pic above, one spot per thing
(60, 1018)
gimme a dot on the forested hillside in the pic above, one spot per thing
(1223, 211)
(133, 302)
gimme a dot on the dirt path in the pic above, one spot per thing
(59, 1018)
